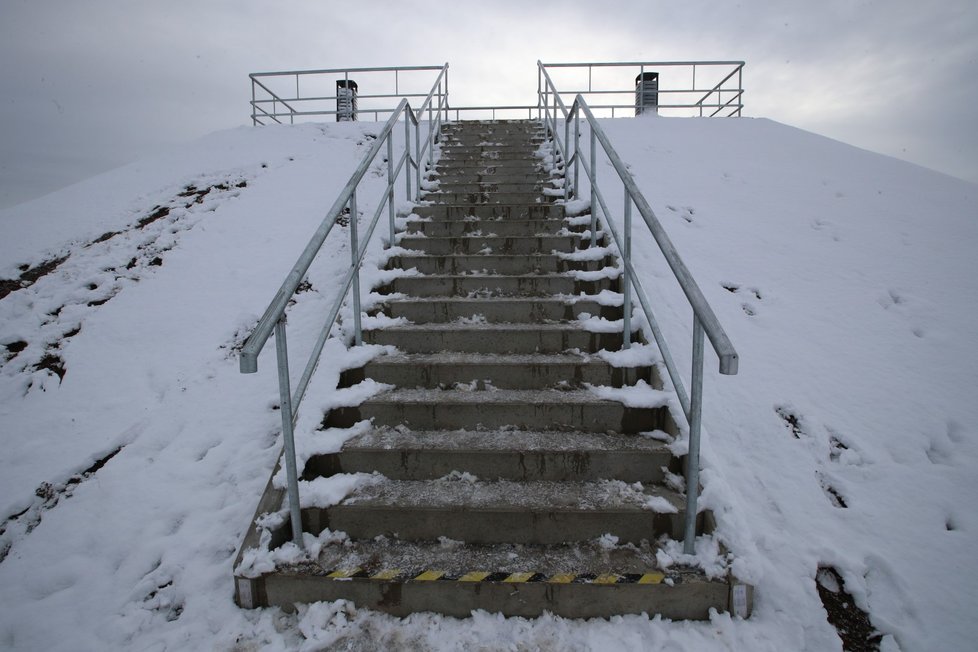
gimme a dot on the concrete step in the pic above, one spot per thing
(487, 197)
(503, 511)
(476, 227)
(403, 454)
(495, 285)
(451, 149)
(493, 338)
(480, 166)
(476, 371)
(490, 175)
(462, 188)
(425, 310)
(479, 244)
(432, 409)
(458, 264)
(505, 211)
(571, 581)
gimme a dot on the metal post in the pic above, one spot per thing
(407, 153)
(354, 252)
(626, 283)
(740, 90)
(254, 109)
(285, 398)
(594, 187)
(577, 150)
(693, 455)
(390, 186)
(417, 158)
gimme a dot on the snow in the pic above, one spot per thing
(845, 280)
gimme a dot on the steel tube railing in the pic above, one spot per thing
(274, 320)
(704, 319)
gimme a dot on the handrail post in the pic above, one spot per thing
(626, 283)
(577, 151)
(594, 183)
(417, 150)
(390, 187)
(407, 153)
(254, 115)
(693, 454)
(285, 399)
(354, 251)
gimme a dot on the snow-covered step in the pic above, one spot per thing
(548, 409)
(496, 338)
(473, 227)
(454, 148)
(422, 310)
(532, 211)
(488, 197)
(490, 174)
(501, 371)
(497, 285)
(474, 244)
(519, 186)
(404, 454)
(591, 580)
(459, 264)
(463, 508)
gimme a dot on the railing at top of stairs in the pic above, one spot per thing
(274, 317)
(704, 319)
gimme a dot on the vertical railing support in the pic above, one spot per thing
(285, 399)
(626, 282)
(354, 250)
(594, 192)
(417, 158)
(390, 187)
(577, 152)
(693, 454)
(408, 159)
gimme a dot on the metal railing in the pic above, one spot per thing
(274, 318)
(612, 86)
(272, 98)
(704, 319)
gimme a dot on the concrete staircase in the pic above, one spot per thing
(508, 484)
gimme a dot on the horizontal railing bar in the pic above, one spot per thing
(326, 98)
(612, 64)
(331, 71)
(673, 91)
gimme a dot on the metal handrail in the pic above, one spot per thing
(274, 317)
(704, 319)
(692, 107)
(293, 104)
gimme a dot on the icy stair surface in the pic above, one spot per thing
(503, 474)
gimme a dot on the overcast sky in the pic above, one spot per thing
(93, 84)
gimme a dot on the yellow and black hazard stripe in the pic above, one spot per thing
(399, 575)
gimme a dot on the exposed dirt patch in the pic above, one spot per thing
(53, 363)
(47, 496)
(852, 623)
(29, 276)
(159, 212)
(791, 420)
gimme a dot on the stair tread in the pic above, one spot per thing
(452, 492)
(492, 326)
(458, 558)
(403, 438)
(456, 358)
(405, 396)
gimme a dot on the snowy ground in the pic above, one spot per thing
(848, 439)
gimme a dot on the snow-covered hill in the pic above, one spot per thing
(134, 452)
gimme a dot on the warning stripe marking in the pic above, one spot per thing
(394, 574)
